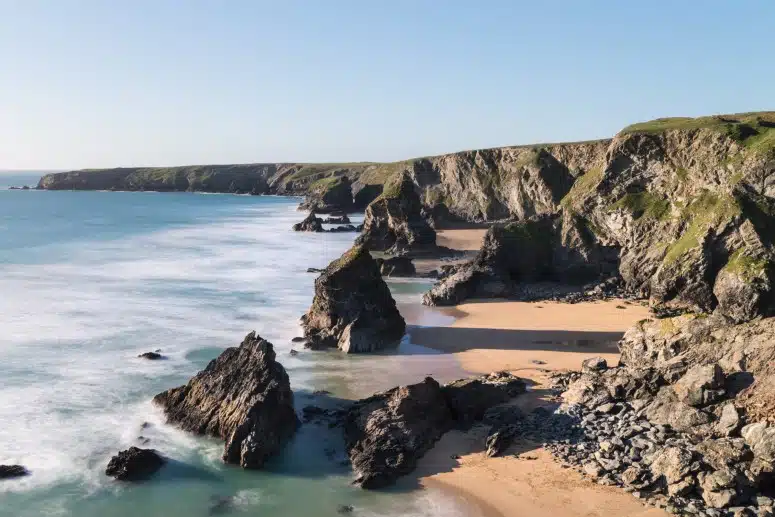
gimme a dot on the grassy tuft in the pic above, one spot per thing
(644, 205)
(584, 185)
(745, 266)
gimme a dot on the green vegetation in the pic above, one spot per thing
(756, 131)
(706, 211)
(745, 266)
(583, 186)
(644, 204)
(348, 257)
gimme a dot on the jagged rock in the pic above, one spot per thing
(729, 421)
(761, 439)
(393, 222)
(717, 488)
(243, 397)
(12, 471)
(311, 223)
(387, 433)
(672, 464)
(396, 266)
(331, 194)
(701, 385)
(723, 453)
(352, 308)
(668, 410)
(499, 440)
(134, 464)
(594, 364)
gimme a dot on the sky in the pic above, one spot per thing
(104, 83)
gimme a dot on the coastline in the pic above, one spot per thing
(526, 481)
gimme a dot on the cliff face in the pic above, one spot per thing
(687, 203)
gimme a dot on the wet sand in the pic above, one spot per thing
(515, 336)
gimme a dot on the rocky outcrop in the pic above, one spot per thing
(343, 219)
(394, 222)
(311, 223)
(396, 266)
(352, 308)
(12, 471)
(387, 433)
(243, 397)
(151, 356)
(539, 249)
(744, 351)
(134, 464)
(331, 194)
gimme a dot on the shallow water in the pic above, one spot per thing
(92, 279)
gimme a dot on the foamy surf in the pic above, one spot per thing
(91, 280)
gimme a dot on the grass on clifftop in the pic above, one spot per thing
(756, 131)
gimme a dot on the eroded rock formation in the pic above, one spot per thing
(243, 397)
(394, 222)
(352, 308)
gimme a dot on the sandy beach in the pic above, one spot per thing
(530, 340)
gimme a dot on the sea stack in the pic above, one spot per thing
(352, 308)
(243, 397)
(394, 222)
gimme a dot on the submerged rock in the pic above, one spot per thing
(352, 308)
(152, 356)
(311, 223)
(343, 219)
(12, 471)
(243, 397)
(134, 464)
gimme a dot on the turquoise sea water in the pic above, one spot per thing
(89, 280)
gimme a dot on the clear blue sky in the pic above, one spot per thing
(91, 83)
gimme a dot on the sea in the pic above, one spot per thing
(90, 280)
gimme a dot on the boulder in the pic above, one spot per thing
(594, 364)
(311, 223)
(394, 223)
(672, 464)
(387, 433)
(666, 409)
(12, 471)
(330, 194)
(396, 266)
(761, 439)
(134, 464)
(243, 397)
(729, 421)
(701, 385)
(352, 308)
